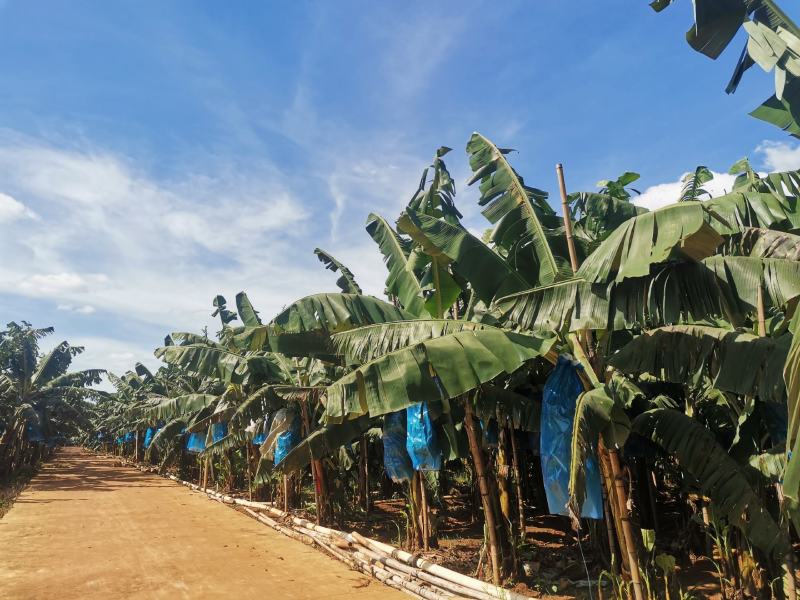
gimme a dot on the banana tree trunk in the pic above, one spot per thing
(627, 531)
(517, 483)
(363, 474)
(486, 497)
(788, 565)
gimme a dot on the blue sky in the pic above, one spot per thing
(154, 154)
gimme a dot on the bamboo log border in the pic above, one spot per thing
(409, 573)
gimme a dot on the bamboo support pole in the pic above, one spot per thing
(434, 569)
(363, 474)
(249, 481)
(573, 256)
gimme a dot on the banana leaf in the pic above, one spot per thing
(740, 363)
(440, 368)
(719, 476)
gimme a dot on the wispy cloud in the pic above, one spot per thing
(11, 209)
(114, 237)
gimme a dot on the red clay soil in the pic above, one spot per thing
(86, 528)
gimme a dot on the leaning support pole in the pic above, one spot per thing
(483, 484)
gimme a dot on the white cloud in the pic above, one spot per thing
(111, 354)
(60, 284)
(86, 309)
(12, 209)
(770, 155)
(779, 156)
(662, 194)
(112, 237)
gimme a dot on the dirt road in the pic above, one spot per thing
(86, 528)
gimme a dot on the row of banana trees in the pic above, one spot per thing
(682, 322)
(682, 319)
(42, 403)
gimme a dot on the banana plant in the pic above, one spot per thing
(40, 399)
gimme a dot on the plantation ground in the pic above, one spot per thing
(86, 528)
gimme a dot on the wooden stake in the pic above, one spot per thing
(573, 257)
(483, 484)
(363, 474)
(762, 326)
(249, 484)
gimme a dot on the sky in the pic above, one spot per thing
(155, 154)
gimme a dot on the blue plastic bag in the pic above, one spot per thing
(196, 443)
(129, 437)
(561, 392)
(421, 442)
(219, 431)
(259, 439)
(395, 457)
(148, 436)
(287, 440)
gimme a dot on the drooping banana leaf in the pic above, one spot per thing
(402, 281)
(305, 326)
(767, 243)
(494, 402)
(719, 287)
(367, 343)
(791, 374)
(598, 414)
(170, 408)
(487, 272)
(678, 231)
(75, 379)
(740, 276)
(719, 476)
(735, 362)
(347, 281)
(265, 400)
(323, 442)
(441, 368)
(739, 210)
(515, 210)
(234, 439)
(212, 360)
